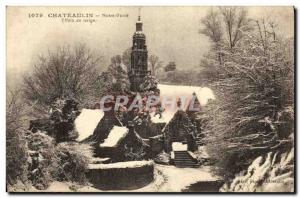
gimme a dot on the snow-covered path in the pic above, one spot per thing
(178, 179)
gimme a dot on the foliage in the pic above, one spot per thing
(72, 161)
(155, 64)
(59, 122)
(119, 73)
(236, 24)
(271, 173)
(18, 187)
(115, 79)
(150, 83)
(134, 154)
(212, 26)
(16, 147)
(64, 73)
(126, 58)
(162, 158)
(41, 164)
(171, 66)
(225, 27)
(254, 88)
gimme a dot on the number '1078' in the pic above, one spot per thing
(35, 15)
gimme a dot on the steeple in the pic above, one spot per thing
(139, 57)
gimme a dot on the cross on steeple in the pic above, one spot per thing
(139, 24)
(139, 18)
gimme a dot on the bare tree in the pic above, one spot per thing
(155, 64)
(225, 27)
(212, 26)
(65, 72)
(236, 24)
(266, 31)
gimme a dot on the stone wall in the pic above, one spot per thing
(129, 178)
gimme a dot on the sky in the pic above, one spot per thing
(172, 33)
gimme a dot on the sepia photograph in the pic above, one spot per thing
(150, 99)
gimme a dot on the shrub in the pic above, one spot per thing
(66, 72)
(253, 113)
(16, 147)
(18, 186)
(72, 161)
(270, 173)
(41, 164)
(162, 158)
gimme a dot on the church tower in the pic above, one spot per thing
(139, 58)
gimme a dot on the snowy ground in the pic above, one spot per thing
(167, 179)
(178, 179)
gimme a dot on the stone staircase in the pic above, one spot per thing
(184, 160)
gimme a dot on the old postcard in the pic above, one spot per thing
(150, 99)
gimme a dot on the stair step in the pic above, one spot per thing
(190, 162)
(193, 163)
(177, 152)
(187, 166)
(182, 156)
(183, 159)
(187, 162)
(186, 159)
(181, 153)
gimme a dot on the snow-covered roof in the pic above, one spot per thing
(115, 136)
(204, 94)
(178, 146)
(128, 164)
(87, 121)
(175, 92)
